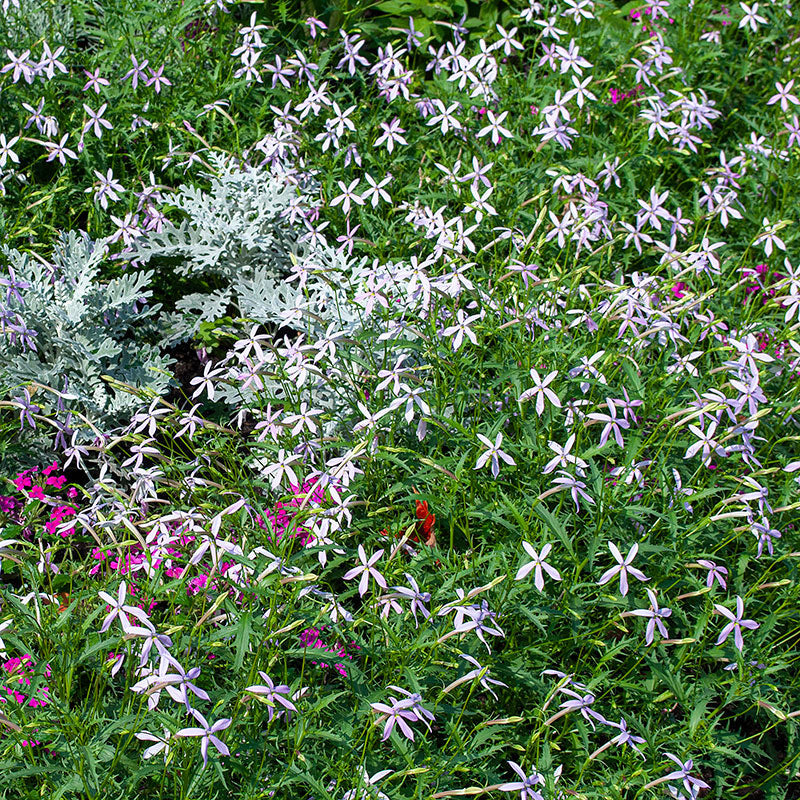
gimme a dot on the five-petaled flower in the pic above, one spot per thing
(538, 564)
(461, 328)
(705, 442)
(95, 81)
(348, 195)
(180, 683)
(682, 774)
(541, 391)
(623, 567)
(60, 151)
(120, 609)
(495, 127)
(715, 573)
(736, 623)
(784, 95)
(398, 713)
(272, 694)
(626, 737)
(391, 134)
(655, 616)
(493, 454)
(365, 569)
(418, 598)
(207, 732)
(583, 704)
(527, 784)
(96, 120)
(136, 72)
(751, 17)
(158, 79)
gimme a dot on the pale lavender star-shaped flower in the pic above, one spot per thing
(541, 391)
(60, 151)
(765, 534)
(314, 23)
(398, 713)
(120, 609)
(95, 81)
(626, 737)
(527, 784)
(158, 79)
(479, 617)
(493, 454)
(365, 569)
(784, 95)
(538, 564)
(623, 567)
(391, 134)
(655, 616)
(207, 732)
(272, 694)
(715, 573)
(137, 73)
(96, 120)
(683, 774)
(417, 597)
(495, 127)
(751, 17)
(705, 442)
(582, 703)
(180, 684)
(736, 623)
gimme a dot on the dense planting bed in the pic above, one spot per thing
(399, 400)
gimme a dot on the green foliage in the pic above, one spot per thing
(232, 525)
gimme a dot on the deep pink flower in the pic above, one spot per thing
(310, 637)
(677, 290)
(22, 481)
(20, 669)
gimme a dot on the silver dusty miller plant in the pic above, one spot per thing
(26, 22)
(245, 239)
(61, 325)
(241, 238)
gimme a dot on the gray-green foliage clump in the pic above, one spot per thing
(63, 324)
(60, 321)
(241, 239)
(26, 21)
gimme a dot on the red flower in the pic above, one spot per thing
(425, 522)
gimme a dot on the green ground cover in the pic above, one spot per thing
(399, 400)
